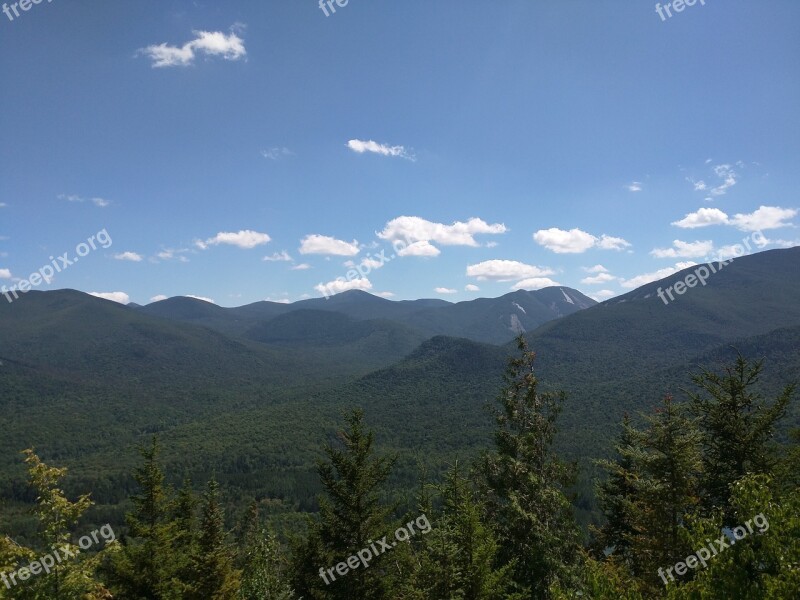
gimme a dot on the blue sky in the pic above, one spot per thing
(507, 145)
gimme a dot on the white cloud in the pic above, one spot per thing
(765, 217)
(728, 176)
(634, 186)
(444, 290)
(342, 285)
(203, 298)
(323, 244)
(576, 241)
(278, 300)
(129, 256)
(119, 297)
(282, 256)
(276, 153)
(645, 278)
(684, 249)
(301, 267)
(534, 283)
(423, 248)
(371, 264)
(602, 295)
(702, 218)
(596, 269)
(471, 287)
(362, 146)
(169, 254)
(99, 202)
(699, 186)
(3, 205)
(158, 298)
(598, 279)
(386, 294)
(411, 230)
(245, 239)
(506, 270)
(785, 243)
(211, 43)
(5, 274)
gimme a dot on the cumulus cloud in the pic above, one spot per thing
(419, 233)
(506, 270)
(645, 278)
(765, 217)
(362, 146)
(341, 284)
(534, 283)
(158, 298)
(444, 290)
(596, 269)
(471, 287)
(602, 295)
(282, 256)
(5, 273)
(702, 218)
(576, 241)
(386, 294)
(682, 249)
(210, 43)
(129, 256)
(245, 239)
(203, 298)
(323, 244)
(423, 248)
(119, 297)
(598, 279)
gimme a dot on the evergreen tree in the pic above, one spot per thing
(185, 544)
(351, 517)
(737, 426)
(523, 483)
(617, 496)
(667, 490)
(215, 575)
(147, 568)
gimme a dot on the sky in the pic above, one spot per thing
(278, 150)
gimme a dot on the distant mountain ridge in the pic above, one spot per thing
(489, 320)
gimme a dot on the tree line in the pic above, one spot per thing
(501, 528)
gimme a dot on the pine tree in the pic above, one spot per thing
(351, 517)
(737, 426)
(667, 490)
(215, 575)
(147, 567)
(185, 543)
(523, 483)
(617, 496)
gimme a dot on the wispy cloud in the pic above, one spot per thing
(634, 186)
(362, 146)
(203, 298)
(282, 256)
(276, 153)
(210, 43)
(640, 280)
(99, 202)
